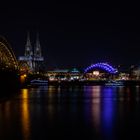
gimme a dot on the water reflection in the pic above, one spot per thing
(108, 112)
(102, 108)
(107, 106)
(71, 112)
(96, 99)
(25, 114)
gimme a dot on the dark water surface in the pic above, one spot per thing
(72, 112)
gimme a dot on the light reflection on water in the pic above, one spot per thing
(99, 112)
(25, 115)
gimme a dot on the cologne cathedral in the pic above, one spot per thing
(32, 58)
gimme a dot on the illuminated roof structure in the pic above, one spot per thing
(104, 66)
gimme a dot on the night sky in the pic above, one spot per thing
(74, 35)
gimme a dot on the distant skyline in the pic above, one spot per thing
(74, 35)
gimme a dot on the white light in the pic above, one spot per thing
(96, 73)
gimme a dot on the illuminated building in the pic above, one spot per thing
(33, 57)
(100, 71)
(64, 75)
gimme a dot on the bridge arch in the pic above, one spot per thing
(7, 57)
(103, 66)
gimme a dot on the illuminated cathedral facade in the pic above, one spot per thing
(32, 55)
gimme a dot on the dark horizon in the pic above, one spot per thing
(75, 35)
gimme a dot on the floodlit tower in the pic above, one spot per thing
(28, 55)
(32, 57)
(38, 59)
(29, 52)
(28, 47)
(37, 50)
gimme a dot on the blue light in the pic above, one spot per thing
(103, 66)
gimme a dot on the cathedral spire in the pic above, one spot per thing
(28, 46)
(37, 51)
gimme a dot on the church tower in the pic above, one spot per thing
(29, 52)
(28, 47)
(33, 56)
(38, 59)
(37, 49)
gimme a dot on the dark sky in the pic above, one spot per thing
(74, 35)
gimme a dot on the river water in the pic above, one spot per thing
(71, 112)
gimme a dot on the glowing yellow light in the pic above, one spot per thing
(22, 78)
(25, 114)
(24, 93)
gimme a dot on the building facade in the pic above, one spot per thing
(32, 55)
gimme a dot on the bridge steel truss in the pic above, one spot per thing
(7, 57)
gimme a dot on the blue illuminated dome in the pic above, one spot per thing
(104, 66)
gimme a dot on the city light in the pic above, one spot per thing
(103, 66)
